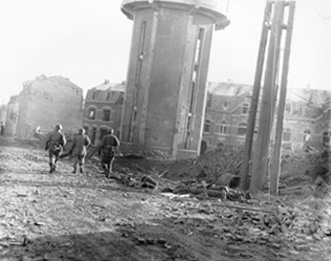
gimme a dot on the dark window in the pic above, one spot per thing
(245, 108)
(225, 106)
(209, 97)
(288, 108)
(103, 132)
(106, 114)
(93, 95)
(108, 96)
(91, 113)
(242, 129)
(223, 128)
(93, 135)
(326, 137)
(287, 135)
(207, 126)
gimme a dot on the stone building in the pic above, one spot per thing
(306, 120)
(103, 109)
(46, 101)
(226, 114)
(166, 81)
(12, 115)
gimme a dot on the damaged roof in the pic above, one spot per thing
(229, 89)
(315, 97)
(108, 86)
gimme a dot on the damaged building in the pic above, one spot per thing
(46, 101)
(12, 115)
(306, 120)
(103, 109)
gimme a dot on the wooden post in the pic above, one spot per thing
(274, 179)
(244, 183)
(267, 106)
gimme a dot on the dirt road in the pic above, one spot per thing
(65, 216)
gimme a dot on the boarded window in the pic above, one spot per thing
(91, 113)
(306, 135)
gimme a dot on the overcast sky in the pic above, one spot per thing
(89, 41)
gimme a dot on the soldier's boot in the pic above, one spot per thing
(50, 167)
(74, 171)
(81, 170)
(54, 167)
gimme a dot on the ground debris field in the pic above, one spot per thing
(65, 216)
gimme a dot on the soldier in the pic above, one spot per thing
(106, 147)
(55, 143)
(78, 149)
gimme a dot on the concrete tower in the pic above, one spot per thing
(166, 81)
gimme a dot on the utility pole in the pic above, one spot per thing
(269, 95)
(244, 182)
(274, 179)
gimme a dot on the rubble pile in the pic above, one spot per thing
(209, 166)
(305, 169)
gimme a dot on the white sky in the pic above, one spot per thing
(89, 41)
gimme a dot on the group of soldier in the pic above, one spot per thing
(56, 141)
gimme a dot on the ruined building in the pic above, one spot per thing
(103, 109)
(46, 101)
(306, 121)
(12, 115)
(166, 82)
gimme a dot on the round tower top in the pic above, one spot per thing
(215, 9)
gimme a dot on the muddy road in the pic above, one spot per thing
(65, 216)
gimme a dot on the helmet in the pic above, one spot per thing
(58, 126)
(81, 131)
(110, 130)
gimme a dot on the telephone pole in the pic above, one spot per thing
(275, 170)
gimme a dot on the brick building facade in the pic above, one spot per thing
(307, 117)
(103, 109)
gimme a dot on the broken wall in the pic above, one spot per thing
(47, 101)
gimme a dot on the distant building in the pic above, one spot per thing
(12, 115)
(46, 101)
(306, 121)
(226, 114)
(3, 112)
(103, 109)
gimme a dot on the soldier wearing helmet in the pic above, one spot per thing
(108, 143)
(79, 149)
(55, 141)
